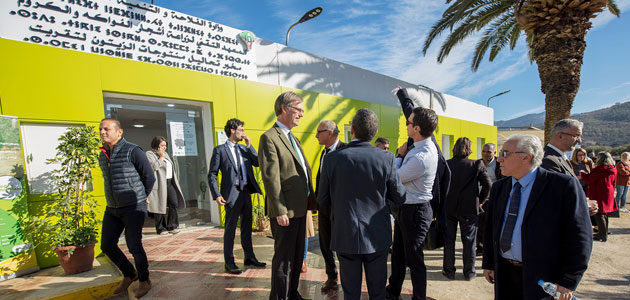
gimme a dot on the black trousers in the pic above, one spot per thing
(130, 219)
(241, 207)
(468, 229)
(509, 284)
(286, 265)
(351, 267)
(325, 234)
(410, 231)
(168, 221)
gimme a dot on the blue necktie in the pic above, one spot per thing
(510, 222)
(239, 168)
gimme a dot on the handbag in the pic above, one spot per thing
(435, 236)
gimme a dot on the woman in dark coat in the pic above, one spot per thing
(463, 206)
(601, 187)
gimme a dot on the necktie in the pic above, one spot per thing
(239, 168)
(297, 152)
(508, 229)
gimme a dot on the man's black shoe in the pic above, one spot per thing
(389, 295)
(469, 277)
(297, 296)
(447, 275)
(232, 269)
(254, 262)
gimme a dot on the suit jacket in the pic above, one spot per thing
(553, 161)
(340, 146)
(222, 160)
(286, 188)
(464, 195)
(443, 175)
(556, 232)
(355, 182)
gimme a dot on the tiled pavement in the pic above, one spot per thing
(190, 265)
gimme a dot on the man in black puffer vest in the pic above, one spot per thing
(128, 180)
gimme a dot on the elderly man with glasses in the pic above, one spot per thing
(565, 135)
(537, 226)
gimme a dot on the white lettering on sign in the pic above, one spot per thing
(130, 29)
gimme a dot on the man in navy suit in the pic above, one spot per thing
(355, 182)
(537, 226)
(235, 162)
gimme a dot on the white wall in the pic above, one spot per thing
(290, 67)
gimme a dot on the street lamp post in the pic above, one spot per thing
(307, 16)
(499, 94)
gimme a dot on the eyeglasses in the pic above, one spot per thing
(321, 131)
(573, 135)
(506, 153)
(409, 123)
(299, 110)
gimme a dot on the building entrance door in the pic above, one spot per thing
(183, 124)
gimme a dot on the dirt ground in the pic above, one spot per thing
(607, 276)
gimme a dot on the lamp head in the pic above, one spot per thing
(311, 14)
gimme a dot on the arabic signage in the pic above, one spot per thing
(15, 260)
(130, 29)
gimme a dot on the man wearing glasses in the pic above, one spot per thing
(537, 226)
(382, 142)
(327, 135)
(565, 135)
(286, 175)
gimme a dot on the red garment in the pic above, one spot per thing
(623, 174)
(601, 187)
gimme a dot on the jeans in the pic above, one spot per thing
(622, 193)
(130, 219)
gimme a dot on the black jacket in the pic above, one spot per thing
(556, 233)
(464, 196)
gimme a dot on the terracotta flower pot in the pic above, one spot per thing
(80, 261)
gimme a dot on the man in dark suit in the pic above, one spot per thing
(565, 135)
(537, 226)
(463, 206)
(327, 135)
(235, 162)
(493, 169)
(356, 181)
(286, 175)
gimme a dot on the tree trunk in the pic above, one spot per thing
(558, 49)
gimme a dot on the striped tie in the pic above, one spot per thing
(508, 229)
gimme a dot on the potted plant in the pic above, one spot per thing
(261, 221)
(72, 220)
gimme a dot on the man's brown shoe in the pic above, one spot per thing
(126, 282)
(330, 284)
(143, 288)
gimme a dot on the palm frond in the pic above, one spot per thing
(514, 35)
(612, 7)
(457, 36)
(502, 38)
(490, 37)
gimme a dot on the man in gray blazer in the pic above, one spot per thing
(356, 181)
(565, 135)
(235, 162)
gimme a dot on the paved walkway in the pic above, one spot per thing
(189, 265)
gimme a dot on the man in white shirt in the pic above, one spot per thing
(417, 171)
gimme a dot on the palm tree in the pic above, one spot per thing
(556, 33)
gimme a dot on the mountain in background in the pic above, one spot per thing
(607, 126)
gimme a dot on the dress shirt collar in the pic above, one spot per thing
(527, 179)
(558, 150)
(422, 143)
(493, 162)
(333, 146)
(230, 144)
(284, 128)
